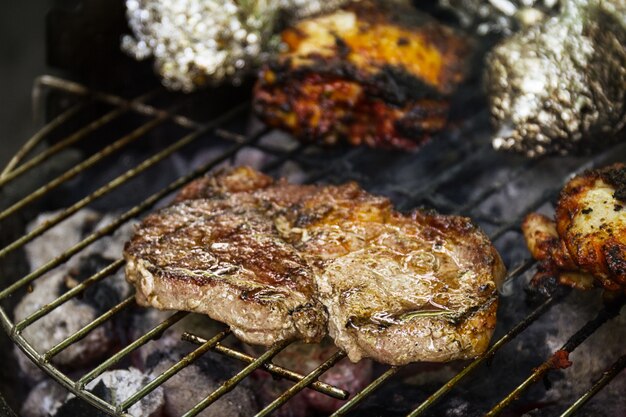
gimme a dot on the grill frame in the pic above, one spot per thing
(427, 193)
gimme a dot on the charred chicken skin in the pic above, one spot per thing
(374, 73)
(280, 261)
(587, 243)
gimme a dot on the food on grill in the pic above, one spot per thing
(558, 87)
(375, 73)
(196, 43)
(194, 382)
(74, 314)
(273, 260)
(116, 387)
(588, 239)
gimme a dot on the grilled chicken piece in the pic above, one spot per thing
(281, 261)
(588, 239)
(375, 73)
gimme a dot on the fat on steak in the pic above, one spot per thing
(280, 261)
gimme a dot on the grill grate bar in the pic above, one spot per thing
(82, 166)
(103, 273)
(118, 181)
(55, 350)
(154, 333)
(361, 395)
(114, 100)
(70, 140)
(173, 370)
(553, 362)
(304, 382)
(229, 385)
(133, 212)
(448, 174)
(493, 188)
(607, 377)
(276, 370)
(519, 328)
(39, 136)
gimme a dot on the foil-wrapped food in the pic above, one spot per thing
(375, 73)
(499, 16)
(196, 43)
(560, 86)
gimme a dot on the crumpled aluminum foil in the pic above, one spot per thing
(561, 85)
(499, 16)
(204, 42)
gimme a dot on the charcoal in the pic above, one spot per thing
(196, 381)
(115, 387)
(43, 400)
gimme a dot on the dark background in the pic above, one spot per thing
(22, 58)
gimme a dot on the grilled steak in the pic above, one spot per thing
(587, 242)
(282, 261)
(376, 73)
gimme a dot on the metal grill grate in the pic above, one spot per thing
(456, 157)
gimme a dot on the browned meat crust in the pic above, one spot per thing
(281, 261)
(375, 74)
(588, 239)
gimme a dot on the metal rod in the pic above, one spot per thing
(155, 332)
(115, 100)
(270, 367)
(520, 327)
(171, 371)
(82, 166)
(108, 270)
(607, 376)
(59, 347)
(552, 363)
(230, 384)
(73, 138)
(304, 382)
(365, 392)
(138, 209)
(105, 189)
(39, 136)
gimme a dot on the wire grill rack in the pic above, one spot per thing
(428, 193)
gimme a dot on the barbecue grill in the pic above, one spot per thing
(457, 173)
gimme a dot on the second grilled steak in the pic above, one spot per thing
(281, 261)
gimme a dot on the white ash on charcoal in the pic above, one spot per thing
(115, 387)
(74, 314)
(304, 358)
(145, 319)
(587, 364)
(196, 381)
(44, 399)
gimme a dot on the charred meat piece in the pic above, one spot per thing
(588, 240)
(374, 73)
(273, 260)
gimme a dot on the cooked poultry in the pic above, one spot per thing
(588, 240)
(375, 73)
(281, 261)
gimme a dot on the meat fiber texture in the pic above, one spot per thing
(377, 73)
(586, 245)
(277, 261)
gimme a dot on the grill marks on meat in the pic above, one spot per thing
(281, 261)
(588, 240)
(374, 73)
